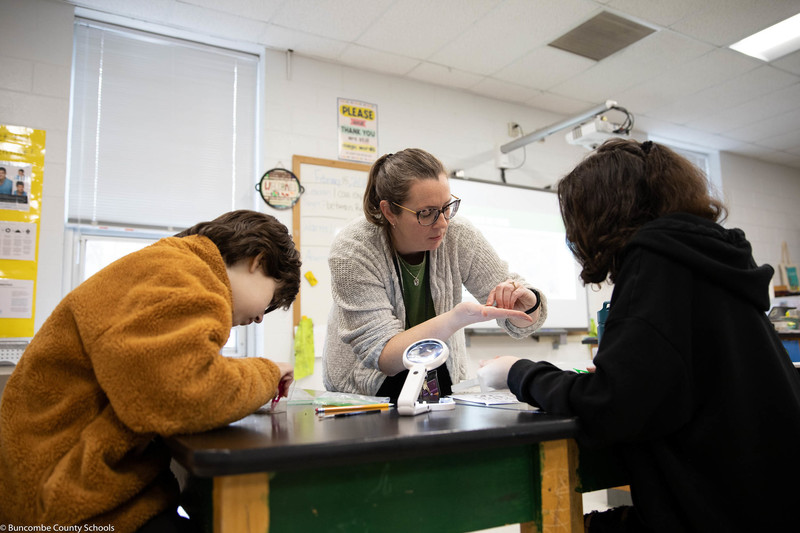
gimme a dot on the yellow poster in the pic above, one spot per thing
(21, 175)
(358, 131)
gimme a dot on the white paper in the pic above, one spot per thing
(498, 397)
(16, 298)
(18, 240)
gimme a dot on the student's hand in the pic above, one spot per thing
(472, 312)
(494, 372)
(287, 376)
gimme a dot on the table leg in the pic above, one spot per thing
(241, 503)
(562, 504)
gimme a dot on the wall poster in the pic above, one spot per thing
(22, 152)
(358, 131)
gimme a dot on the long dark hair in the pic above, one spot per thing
(391, 177)
(246, 234)
(620, 187)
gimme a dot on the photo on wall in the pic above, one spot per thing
(15, 185)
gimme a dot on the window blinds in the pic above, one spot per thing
(163, 131)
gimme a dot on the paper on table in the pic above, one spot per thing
(498, 397)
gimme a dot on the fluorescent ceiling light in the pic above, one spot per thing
(773, 42)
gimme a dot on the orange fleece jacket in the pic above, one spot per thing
(130, 354)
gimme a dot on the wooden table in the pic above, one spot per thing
(462, 470)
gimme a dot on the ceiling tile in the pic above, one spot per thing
(217, 23)
(301, 43)
(440, 75)
(262, 10)
(366, 58)
(501, 90)
(790, 63)
(559, 104)
(764, 106)
(157, 11)
(544, 67)
(782, 142)
(686, 79)
(768, 128)
(724, 96)
(661, 13)
(418, 28)
(515, 27)
(344, 20)
(632, 66)
(724, 22)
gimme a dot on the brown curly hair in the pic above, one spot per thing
(619, 188)
(245, 234)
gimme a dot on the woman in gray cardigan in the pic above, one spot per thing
(397, 277)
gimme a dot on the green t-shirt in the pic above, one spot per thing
(417, 296)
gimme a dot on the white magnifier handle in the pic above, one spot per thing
(406, 402)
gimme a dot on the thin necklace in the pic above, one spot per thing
(416, 278)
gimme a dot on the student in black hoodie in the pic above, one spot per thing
(692, 385)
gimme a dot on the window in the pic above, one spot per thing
(163, 131)
(163, 134)
(705, 160)
(98, 251)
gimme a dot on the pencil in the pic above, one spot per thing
(348, 408)
(351, 413)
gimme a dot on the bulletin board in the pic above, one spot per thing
(22, 151)
(334, 192)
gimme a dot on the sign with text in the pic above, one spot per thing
(358, 130)
(22, 152)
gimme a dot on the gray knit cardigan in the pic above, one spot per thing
(368, 308)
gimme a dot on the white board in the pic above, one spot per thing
(525, 228)
(333, 196)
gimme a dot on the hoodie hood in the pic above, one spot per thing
(721, 255)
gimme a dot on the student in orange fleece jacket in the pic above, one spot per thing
(131, 355)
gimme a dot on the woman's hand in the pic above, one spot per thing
(494, 372)
(511, 295)
(472, 312)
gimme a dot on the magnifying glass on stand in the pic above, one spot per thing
(418, 358)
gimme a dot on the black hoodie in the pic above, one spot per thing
(693, 385)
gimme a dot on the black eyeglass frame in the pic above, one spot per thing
(438, 212)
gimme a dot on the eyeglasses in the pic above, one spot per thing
(429, 216)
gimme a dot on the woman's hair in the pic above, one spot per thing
(391, 177)
(246, 234)
(619, 188)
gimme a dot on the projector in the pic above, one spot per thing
(592, 134)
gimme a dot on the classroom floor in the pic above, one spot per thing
(592, 501)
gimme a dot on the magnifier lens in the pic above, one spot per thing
(424, 352)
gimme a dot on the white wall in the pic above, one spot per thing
(35, 69)
(300, 118)
(764, 200)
